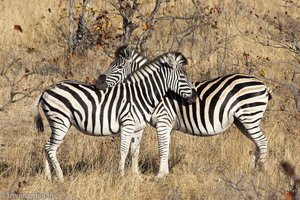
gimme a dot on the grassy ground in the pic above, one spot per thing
(201, 168)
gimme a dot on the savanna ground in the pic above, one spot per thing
(252, 37)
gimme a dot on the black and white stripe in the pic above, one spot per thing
(235, 98)
(125, 108)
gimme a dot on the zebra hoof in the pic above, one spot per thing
(48, 178)
(257, 163)
(61, 180)
(141, 178)
(260, 167)
(138, 176)
(161, 175)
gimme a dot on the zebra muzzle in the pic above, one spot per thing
(192, 99)
(101, 82)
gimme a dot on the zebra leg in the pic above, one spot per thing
(47, 169)
(58, 133)
(252, 130)
(126, 136)
(164, 137)
(135, 150)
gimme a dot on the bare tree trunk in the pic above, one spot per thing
(84, 10)
(71, 26)
(127, 12)
(149, 23)
(83, 38)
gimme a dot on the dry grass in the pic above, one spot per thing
(201, 168)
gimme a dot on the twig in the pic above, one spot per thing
(11, 75)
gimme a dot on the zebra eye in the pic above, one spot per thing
(120, 67)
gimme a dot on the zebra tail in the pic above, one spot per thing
(270, 93)
(37, 116)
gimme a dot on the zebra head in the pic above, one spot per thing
(127, 60)
(178, 80)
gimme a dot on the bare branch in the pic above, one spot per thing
(83, 38)
(141, 45)
(15, 75)
(127, 12)
(296, 93)
(71, 25)
(84, 10)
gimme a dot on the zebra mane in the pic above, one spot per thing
(170, 59)
(124, 51)
(180, 58)
(76, 82)
(129, 53)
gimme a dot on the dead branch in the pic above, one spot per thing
(296, 93)
(281, 31)
(235, 185)
(83, 39)
(127, 9)
(14, 75)
(149, 23)
(71, 25)
(290, 3)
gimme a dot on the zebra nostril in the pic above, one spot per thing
(194, 93)
(192, 98)
(102, 77)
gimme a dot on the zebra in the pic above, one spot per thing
(125, 108)
(236, 98)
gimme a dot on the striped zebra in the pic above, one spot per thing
(235, 98)
(125, 108)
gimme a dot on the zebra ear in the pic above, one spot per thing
(170, 61)
(176, 59)
(127, 52)
(181, 59)
(124, 52)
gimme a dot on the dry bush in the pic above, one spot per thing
(13, 75)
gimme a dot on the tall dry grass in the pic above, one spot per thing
(201, 168)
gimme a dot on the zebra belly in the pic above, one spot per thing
(97, 125)
(194, 119)
(201, 131)
(104, 130)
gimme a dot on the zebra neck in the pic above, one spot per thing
(139, 61)
(149, 86)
